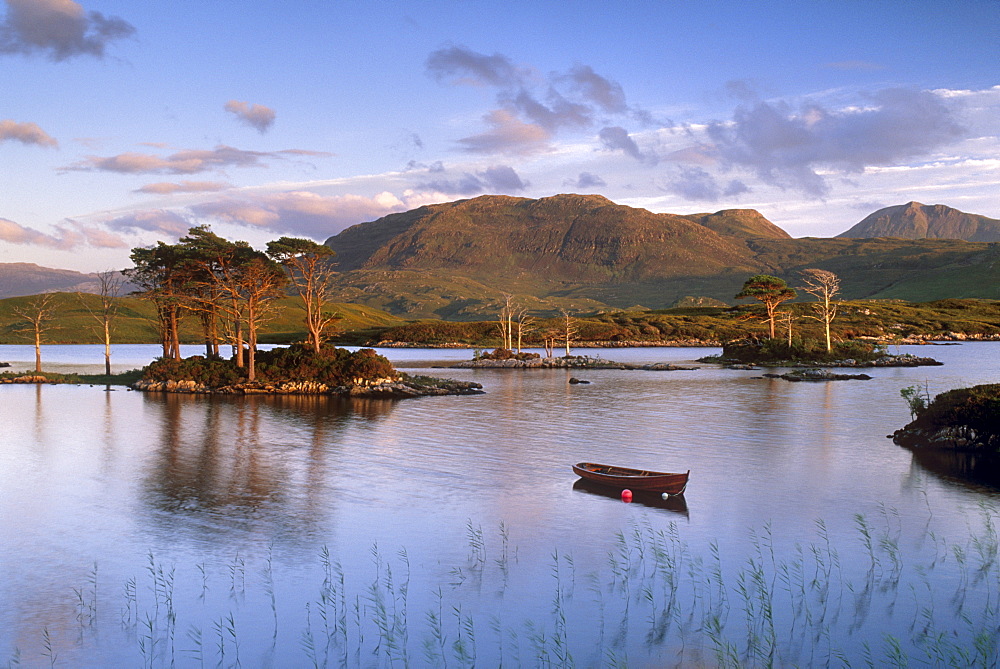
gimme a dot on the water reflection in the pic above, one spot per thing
(238, 464)
(677, 503)
(982, 469)
(795, 489)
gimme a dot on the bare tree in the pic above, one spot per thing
(38, 312)
(824, 286)
(311, 273)
(549, 337)
(786, 318)
(525, 324)
(505, 322)
(110, 283)
(569, 329)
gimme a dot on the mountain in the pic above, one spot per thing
(22, 278)
(569, 237)
(921, 221)
(740, 223)
(585, 253)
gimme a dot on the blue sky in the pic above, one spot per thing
(123, 123)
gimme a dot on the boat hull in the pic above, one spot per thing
(633, 479)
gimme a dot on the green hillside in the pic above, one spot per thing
(72, 323)
(882, 319)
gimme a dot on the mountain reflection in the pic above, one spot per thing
(233, 464)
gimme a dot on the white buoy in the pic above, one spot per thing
(665, 495)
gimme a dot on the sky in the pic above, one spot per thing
(125, 122)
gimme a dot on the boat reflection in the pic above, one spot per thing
(676, 503)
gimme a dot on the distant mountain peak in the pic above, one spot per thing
(740, 223)
(914, 220)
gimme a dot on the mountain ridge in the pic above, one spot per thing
(19, 279)
(584, 252)
(914, 220)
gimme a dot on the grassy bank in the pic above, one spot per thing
(121, 379)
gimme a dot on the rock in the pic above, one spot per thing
(27, 378)
(817, 375)
(381, 388)
(573, 380)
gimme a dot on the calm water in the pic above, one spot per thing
(147, 530)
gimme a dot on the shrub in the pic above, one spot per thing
(332, 365)
(753, 350)
(212, 372)
(507, 354)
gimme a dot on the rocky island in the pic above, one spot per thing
(752, 353)
(501, 359)
(965, 419)
(297, 370)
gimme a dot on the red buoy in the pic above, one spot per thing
(626, 495)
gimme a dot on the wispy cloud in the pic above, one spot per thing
(788, 147)
(161, 221)
(190, 161)
(496, 179)
(508, 135)
(60, 29)
(531, 107)
(68, 236)
(26, 133)
(254, 115)
(458, 64)
(300, 212)
(169, 187)
(694, 183)
(585, 181)
(616, 138)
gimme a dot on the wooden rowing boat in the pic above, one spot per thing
(633, 479)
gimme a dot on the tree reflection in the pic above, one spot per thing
(231, 464)
(966, 466)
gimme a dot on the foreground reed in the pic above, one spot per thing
(656, 600)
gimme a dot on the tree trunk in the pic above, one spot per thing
(251, 341)
(38, 350)
(107, 348)
(175, 338)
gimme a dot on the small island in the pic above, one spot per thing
(298, 370)
(753, 352)
(293, 370)
(507, 359)
(964, 419)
